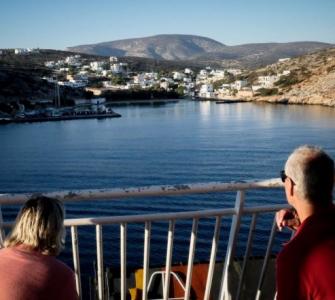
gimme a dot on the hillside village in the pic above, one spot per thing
(111, 75)
(96, 80)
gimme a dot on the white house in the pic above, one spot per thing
(178, 75)
(235, 72)
(206, 91)
(73, 60)
(19, 51)
(164, 85)
(119, 68)
(218, 74)
(188, 71)
(97, 65)
(113, 59)
(239, 84)
(49, 64)
(285, 73)
(151, 75)
(267, 81)
(283, 59)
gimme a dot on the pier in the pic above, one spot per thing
(60, 118)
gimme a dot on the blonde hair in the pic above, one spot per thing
(40, 226)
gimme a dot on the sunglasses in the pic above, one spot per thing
(283, 176)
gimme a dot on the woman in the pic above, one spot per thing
(28, 267)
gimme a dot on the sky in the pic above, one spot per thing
(63, 23)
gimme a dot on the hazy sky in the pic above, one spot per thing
(62, 23)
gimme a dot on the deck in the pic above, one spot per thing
(220, 281)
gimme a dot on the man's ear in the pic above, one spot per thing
(291, 187)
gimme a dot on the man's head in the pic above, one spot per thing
(39, 225)
(311, 174)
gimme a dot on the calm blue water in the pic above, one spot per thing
(179, 143)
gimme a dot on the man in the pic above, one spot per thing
(306, 265)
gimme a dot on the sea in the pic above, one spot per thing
(174, 143)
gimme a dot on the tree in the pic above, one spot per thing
(118, 80)
(180, 90)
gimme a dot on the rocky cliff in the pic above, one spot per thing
(315, 76)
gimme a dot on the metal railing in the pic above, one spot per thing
(235, 212)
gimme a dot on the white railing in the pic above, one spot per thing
(111, 194)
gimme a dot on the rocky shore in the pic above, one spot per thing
(316, 84)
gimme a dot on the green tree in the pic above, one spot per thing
(180, 90)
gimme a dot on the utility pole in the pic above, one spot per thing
(57, 95)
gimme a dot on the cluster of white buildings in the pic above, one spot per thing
(191, 84)
(22, 51)
(238, 87)
(268, 82)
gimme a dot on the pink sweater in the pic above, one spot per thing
(31, 275)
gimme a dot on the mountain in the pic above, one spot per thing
(200, 49)
(166, 46)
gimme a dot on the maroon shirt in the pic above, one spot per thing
(30, 275)
(306, 265)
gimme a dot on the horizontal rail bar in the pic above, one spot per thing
(158, 190)
(166, 216)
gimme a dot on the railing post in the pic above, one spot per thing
(246, 254)
(193, 241)
(147, 235)
(234, 229)
(215, 242)
(266, 258)
(76, 263)
(123, 255)
(100, 262)
(166, 282)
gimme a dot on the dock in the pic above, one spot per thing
(61, 118)
(142, 102)
(229, 101)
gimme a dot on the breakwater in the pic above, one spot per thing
(60, 118)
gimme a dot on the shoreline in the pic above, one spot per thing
(271, 100)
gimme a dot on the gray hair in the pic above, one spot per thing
(312, 172)
(39, 225)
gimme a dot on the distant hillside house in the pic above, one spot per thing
(283, 59)
(119, 68)
(239, 84)
(178, 75)
(234, 72)
(97, 65)
(267, 81)
(73, 60)
(218, 74)
(206, 91)
(188, 71)
(20, 51)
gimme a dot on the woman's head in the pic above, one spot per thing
(39, 225)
